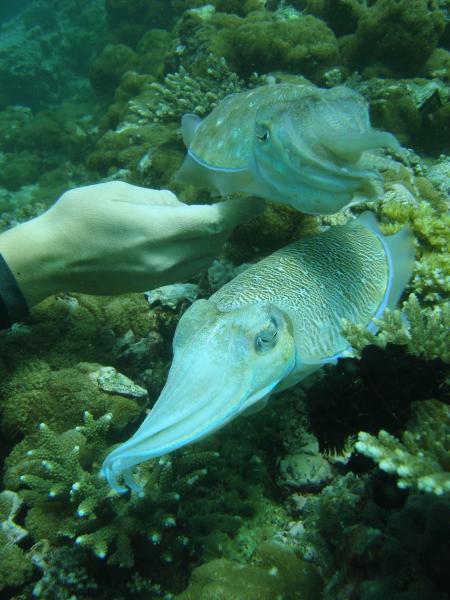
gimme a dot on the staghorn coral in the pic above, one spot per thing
(421, 459)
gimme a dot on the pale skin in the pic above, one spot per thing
(116, 238)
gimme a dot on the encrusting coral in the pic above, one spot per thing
(275, 572)
(421, 459)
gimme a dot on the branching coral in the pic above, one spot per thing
(422, 458)
(58, 479)
(180, 92)
(423, 330)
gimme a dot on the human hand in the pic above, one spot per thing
(114, 238)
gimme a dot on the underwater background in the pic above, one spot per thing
(339, 489)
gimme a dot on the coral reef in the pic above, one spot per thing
(301, 44)
(263, 41)
(181, 93)
(423, 330)
(59, 482)
(275, 572)
(107, 69)
(365, 534)
(15, 564)
(415, 110)
(422, 458)
(36, 392)
(44, 51)
(96, 90)
(63, 573)
(401, 35)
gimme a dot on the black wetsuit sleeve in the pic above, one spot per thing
(13, 306)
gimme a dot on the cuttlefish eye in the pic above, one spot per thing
(262, 133)
(267, 337)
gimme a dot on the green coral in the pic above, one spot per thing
(107, 69)
(262, 41)
(35, 392)
(415, 110)
(57, 476)
(275, 572)
(431, 279)
(421, 459)
(63, 574)
(15, 564)
(399, 34)
(19, 169)
(378, 541)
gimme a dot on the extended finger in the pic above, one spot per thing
(196, 221)
(239, 210)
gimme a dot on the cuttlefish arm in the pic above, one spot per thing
(224, 362)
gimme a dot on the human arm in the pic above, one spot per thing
(115, 238)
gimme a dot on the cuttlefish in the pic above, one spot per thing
(267, 329)
(294, 144)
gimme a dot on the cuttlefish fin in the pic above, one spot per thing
(223, 181)
(399, 250)
(256, 407)
(189, 125)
